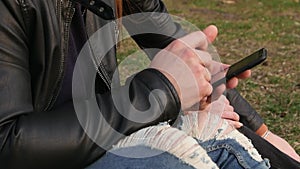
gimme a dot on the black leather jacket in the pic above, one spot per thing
(33, 46)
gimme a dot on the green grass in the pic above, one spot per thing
(245, 26)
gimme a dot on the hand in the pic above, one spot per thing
(211, 32)
(231, 117)
(184, 62)
(233, 82)
(282, 145)
(205, 124)
(218, 71)
(222, 106)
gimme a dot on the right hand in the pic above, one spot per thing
(184, 62)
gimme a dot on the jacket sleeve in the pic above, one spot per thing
(32, 139)
(248, 116)
(150, 25)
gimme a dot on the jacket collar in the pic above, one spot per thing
(98, 7)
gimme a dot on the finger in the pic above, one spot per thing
(230, 115)
(217, 92)
(228, 108)
(195, 40)
(232, 83)
(208, 88)
(204, 57)
(201, 74)
(205, 101)
(211, 32)
(245, 74)
(204, 104)
(217, 69)
(235, 124)
(206, 108)
(226, 101)
(207, 75)
(225, 66)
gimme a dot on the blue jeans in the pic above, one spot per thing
(230, 154)
(225, 153)
(162, 160)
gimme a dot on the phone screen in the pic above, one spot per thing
(243, 65)
(246, 63)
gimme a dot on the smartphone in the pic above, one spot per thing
(246, 63)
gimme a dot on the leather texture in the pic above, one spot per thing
(248, 115)
(34, 41)
(33, 45)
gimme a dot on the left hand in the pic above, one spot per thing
(223, 105)
(225, 110)
(282, 145)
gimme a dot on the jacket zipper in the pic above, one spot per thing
(66, 26)
(98, 64)
(103, 74)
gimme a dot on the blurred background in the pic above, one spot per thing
(244, 27)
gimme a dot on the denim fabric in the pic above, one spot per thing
(228, 153)
(150, 159)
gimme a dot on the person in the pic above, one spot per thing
(39, 44)
(162, 146)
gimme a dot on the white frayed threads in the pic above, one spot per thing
(205, 126)
(170, 140)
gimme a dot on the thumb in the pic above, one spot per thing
(211, 32)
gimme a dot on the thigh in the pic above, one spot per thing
(139, 157)
(159, 146)
(229, 153)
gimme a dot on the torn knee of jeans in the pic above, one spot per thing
(171, 140)
(203, 125)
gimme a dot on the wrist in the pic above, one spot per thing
(265, 135)
(262, 130)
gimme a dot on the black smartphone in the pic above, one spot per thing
(243, 65)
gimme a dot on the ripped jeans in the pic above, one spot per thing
(166, 147)
(199, 139)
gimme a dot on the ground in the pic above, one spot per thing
(244, 27)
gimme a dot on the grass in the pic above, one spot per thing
(245, 26)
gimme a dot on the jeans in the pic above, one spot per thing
(217, 153)
(162, 160)
(224, 155)
(230, 154)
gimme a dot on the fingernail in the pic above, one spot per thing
(240, 124)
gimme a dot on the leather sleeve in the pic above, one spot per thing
(150, 25)
(31, 139)
(248, 116)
